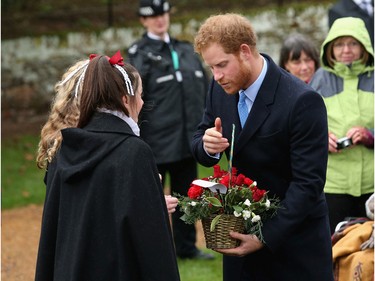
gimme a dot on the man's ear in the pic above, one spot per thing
(245, 51)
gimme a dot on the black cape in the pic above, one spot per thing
(105, 216)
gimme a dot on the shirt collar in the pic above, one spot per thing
(359, 2)
(133, 125)
(166, 38)
(366, 5)
(252, 91)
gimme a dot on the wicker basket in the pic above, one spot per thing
(220, 238)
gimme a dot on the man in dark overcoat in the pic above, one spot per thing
(282, 144)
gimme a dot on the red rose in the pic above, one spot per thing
(195, 192)
(218, 173)
(240, 179)
(225, 180)
(258, 194)
(234, 171)
(248, 181)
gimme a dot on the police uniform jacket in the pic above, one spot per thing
(174, 101)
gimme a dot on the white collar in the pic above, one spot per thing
(252, 91)
(166, 38)
(133, 125)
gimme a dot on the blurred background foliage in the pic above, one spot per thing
(34, 18)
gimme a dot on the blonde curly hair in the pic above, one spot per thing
(64, 113)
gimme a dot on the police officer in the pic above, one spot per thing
(174, 89)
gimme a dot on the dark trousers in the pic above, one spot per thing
(341, 206)
(232, 268)
(241, 268)
(181, 175)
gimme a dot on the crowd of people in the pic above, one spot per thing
(120, 129)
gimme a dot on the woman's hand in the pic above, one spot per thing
(332, 143)
(361, 135)
(171, 203)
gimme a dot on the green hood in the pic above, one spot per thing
(348, 26)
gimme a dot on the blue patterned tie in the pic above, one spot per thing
(243, 111)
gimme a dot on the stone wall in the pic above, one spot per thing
(30, 67)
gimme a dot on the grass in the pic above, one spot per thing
(193, 270)
(21, 180)
(22, 184)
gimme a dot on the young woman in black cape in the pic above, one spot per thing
(105, 216)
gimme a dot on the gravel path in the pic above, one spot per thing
(19, 242)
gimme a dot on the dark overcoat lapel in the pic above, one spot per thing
(260, 109)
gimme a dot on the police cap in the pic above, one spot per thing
(149, 8)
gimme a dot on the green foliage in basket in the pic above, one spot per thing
(232, 194)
